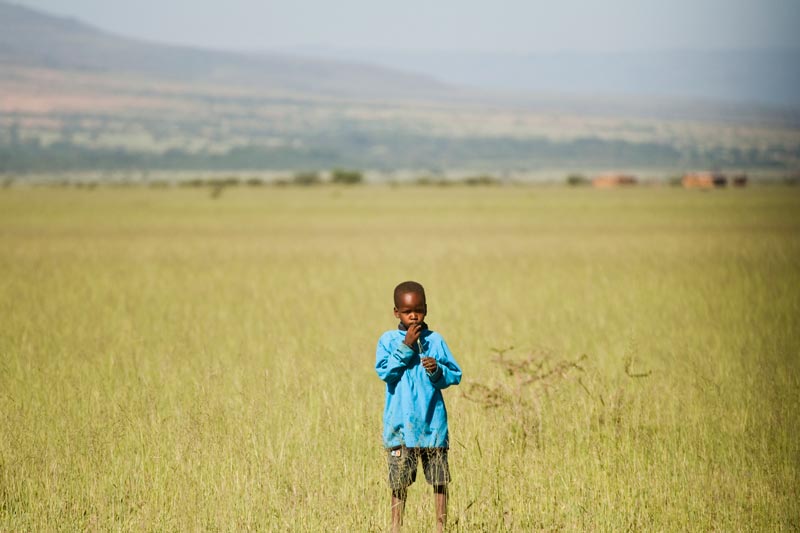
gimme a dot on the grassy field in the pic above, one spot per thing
(172, 361)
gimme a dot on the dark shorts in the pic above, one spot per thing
(403, 466)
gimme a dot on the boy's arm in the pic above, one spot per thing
(392, 361)
(448, 372)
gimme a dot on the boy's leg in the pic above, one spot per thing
(398, 505)
(437, 473)
(402, 473)
(440, 495)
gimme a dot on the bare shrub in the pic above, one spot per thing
(520, 394)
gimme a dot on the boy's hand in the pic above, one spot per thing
(412, 335)
(430, 364)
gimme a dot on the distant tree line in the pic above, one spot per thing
(397, 151)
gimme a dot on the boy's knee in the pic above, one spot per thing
(400, 494)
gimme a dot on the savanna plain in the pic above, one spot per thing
(173, 360)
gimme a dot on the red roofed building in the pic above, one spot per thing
(704, 180)
(607, 181)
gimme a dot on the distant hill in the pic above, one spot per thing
(30, 38)
(76, 98)
(760, 76)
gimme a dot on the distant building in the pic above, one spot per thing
(607, 181)
(704, 180)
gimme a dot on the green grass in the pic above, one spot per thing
(170, 361)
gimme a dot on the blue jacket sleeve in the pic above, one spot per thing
(448, 373)
(391, 362)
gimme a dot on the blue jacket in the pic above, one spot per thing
(414, 414)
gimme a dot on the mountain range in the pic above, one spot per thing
(33, 39)
(73, 96)
(750, 76)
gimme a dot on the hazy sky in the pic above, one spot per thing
(500, 25)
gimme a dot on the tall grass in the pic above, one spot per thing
(174, 362)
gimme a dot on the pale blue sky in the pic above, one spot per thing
(500, 25)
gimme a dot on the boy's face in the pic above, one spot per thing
(411, 309)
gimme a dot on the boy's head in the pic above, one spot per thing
(409, 303)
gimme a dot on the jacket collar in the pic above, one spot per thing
(402, 327)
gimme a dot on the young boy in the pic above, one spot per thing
(416, 365)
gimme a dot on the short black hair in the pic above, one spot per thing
(407, 287)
